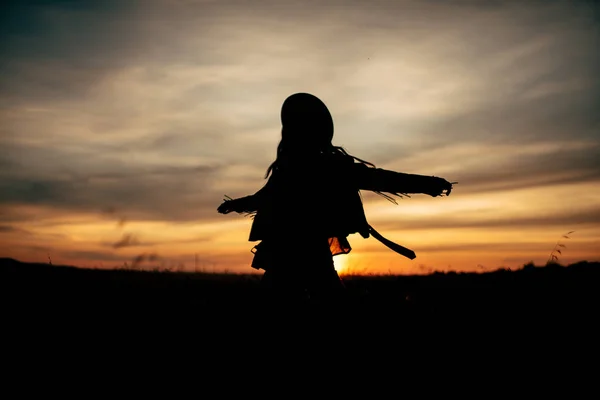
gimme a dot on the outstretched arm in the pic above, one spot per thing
(381, 180)
(247, 204)
(240, 205)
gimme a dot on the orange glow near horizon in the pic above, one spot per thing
(223, 246)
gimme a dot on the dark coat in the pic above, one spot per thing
(319, 199)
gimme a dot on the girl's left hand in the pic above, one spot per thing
(440, 187)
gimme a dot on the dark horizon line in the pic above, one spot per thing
(8, 261)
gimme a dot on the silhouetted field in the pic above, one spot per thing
(93, 319)
(47, 291)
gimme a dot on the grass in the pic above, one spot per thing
(62, 307)
(557, 248)
(161, 293)
(53, 282)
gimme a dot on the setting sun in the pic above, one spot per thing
(340, 262)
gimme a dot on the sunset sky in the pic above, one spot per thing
(124, 123)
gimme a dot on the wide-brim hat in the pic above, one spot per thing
(307, 114)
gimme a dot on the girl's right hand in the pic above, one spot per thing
(226, 207)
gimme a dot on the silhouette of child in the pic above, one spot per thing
(311, 203)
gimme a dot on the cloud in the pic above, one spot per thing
(127, 240)
(163, 194)
(57, 51)
(90, 182)
(14, 230)
(91, 255)
(130, 239)
(568, 218)
(500, 169)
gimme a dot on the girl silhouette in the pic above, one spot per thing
(311, 203)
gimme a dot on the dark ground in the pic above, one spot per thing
(61, 291)
(143, 317)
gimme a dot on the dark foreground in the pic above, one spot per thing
(99, 318)
(58, 319)
(46, 291)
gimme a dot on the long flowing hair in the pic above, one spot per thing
(326, 149)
